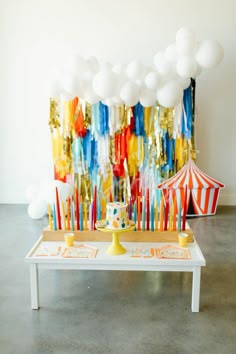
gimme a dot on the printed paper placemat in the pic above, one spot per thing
(48, 251)
(173, 252)
(138, 252)
(80, 251)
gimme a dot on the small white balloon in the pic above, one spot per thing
(117, 101)
(135, 70)
(186, 67)
(185, 32)
(171, 53)
(118, 68)
(184, 83)
(185, 41)
(93, 64)
(90, 96)
(130, 94)
(37, 209)
(209, 54)
(105, 83)
(108, 102)
(170, 94)
(162, 65)
(152, 80)
(70, 84)
(147, 98)
(105, 66)
(198, 71)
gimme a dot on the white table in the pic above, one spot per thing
(123, 262)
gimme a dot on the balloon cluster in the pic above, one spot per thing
(43, 194)
(163, 81)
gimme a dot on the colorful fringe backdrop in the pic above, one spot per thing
(122, 153)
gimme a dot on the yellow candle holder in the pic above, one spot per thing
(115, 249)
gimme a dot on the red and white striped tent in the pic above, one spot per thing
(195, 188)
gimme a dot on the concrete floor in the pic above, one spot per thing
(117, 312)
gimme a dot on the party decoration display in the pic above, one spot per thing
(196, 192)
(118, 131)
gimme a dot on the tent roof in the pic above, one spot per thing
(191, 176)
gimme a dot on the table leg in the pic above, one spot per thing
(34, 286)
(196, 289)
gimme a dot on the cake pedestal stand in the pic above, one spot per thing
(115, 249)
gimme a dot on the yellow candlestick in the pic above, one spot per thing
(103, 209)
(49, 217)
(63, 215)
(68, 214)
(85, 216)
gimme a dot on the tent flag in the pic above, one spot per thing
(202, 190)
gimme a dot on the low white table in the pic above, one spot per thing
(123, 262)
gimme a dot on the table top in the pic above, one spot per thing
(124, 261)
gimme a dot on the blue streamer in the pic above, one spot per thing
(103, 119)
(187, 108)
(139, 119)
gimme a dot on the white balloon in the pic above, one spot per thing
(81, 88)
(117, 101)
(104, 84)
(90, 96)
(108, 102)
(147, 98)
(152, 80)
(185, 41)
(162, 65)
(209, 54)
(171, 53)
(170, 94)
(70, 84)
(184, 83)
(105, 66)
(37, 209)
(186, 67)
(87, 75)
(135, 70)
(118, 68)
(198, 71)
(130, 94)
(185, 32)
(93, 64)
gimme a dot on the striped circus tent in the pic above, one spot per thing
(196, 191)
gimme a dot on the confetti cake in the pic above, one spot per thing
(117, 216)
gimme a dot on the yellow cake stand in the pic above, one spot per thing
(115, 249)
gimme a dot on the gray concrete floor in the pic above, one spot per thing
(117, 312)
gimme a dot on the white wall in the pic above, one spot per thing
(35, 34)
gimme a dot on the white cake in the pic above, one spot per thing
(117, 216)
